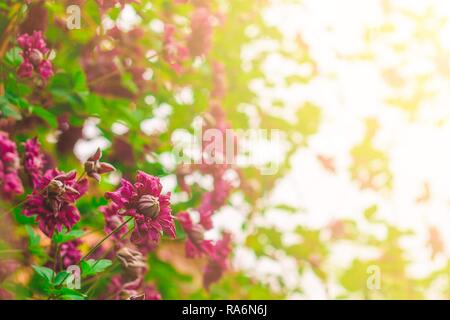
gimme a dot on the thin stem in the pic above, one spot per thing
(14, 207)
(81, 176)
(105, 238)
(110, 249)
(11, 251)
(8, 31)
(104, 77)
(95, 282)
(55, 262)
(99, 244)
(92, 287)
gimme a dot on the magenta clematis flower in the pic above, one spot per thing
(52, 201)
(216, 198)
(10, 183)
(199, 41)
(219, 81)
(35, 56)
(150, 209)
(34, 160)
(150, 293)
(196, 245)
(174, 53)
(113, 220)
(212, 201)
(69, 253)
(218, 262)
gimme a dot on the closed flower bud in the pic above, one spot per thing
(197, 234)
(137, 297)
(96, 156)
(105, 167)
(148, 205)
(94, 168)
(36, 57)
(133, 261)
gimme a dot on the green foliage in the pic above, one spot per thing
(65, 236)
(92, 267)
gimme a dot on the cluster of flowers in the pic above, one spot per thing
(35, 56)
(198, 42)
(53, 203)
(55, 193)
(10, 184)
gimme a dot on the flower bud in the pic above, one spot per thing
(197, 234)
(148, 205)
(94, 168)
(131, 259)
(137, 297)
(36, 57)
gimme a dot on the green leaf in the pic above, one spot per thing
(8, 110)
(60, 277)
(65, 236)
(34, 238)
(370, 212)
(92, 267)
(308, 119)
(15, 88)
(45, 115)
(70, 294)
(13, 57)
(44, 272)
(34, 245)
(127, 82)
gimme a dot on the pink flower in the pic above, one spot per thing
(69, 253)
(35, 56)
(150, 209)
(218, 262)
(196, 245)
(120, 288)
(5, 294)
(45, 69)
(34, 160)
(150, 293)
(199, 41)
(25, 69)
(7, 268)
(52, 201)
(113, 220)
(213, 201)
(219, 81)
(10, 184)
(174, 53)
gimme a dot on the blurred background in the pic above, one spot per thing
(378, 73)
(359, 206)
